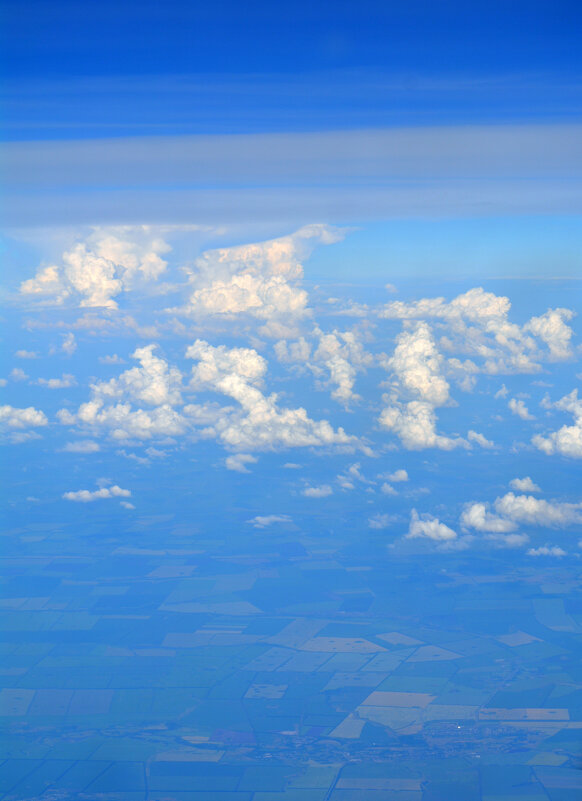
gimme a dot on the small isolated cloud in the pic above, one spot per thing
(524, 485)
(429, 527)
(390, 288)
(82, 446)
(111, 359)
(352, 474)
(388, 489)
(317, 492)
(69, 344)
(15, 422)
(292, 466)
(18, 375)
(396, 477)
(26, 354)
(501, 393)
(126, 505)
(88, 496)
(64, 382)
(263, 521)
(512, 510)
(379, 521)
(547, 550)
(519, 408)
(474, 436)
(514, 540)
(566, 441)
(239, 461)
(478, 516)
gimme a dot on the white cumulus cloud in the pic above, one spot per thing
(567, 440)
(239, 461)
(88, 496)
(261, 280)
(323, 491)
(429, 527)
(519, 408)
(524, 485)
(547, 550)
(93, 272)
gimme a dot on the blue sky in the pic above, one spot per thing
(291, 327)
(251, 178)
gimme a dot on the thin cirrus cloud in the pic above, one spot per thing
(371, 174)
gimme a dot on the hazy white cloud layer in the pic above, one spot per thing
(362, 174)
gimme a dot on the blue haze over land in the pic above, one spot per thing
(291, 414)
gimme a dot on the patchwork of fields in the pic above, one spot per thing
(262, 668)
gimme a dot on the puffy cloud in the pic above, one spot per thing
(82, 446)
(342, 354)
(478, 516)
(547, 550)
(476, 304)
(64, 382)
(396, 477)
(477, 323)
(415, 424)
(537, 512)
(567, 441)
(94, 272)
(260, 280)
(323, 491)
(379, 521)
(352, 474)
(512, 510)
(551, 328)
(258, 423)
(69, 344)
(15, 421)
(26, 354)
(17, 374)
(86, 496)
(416, 374)
(519, 408)
(264, 521)
(124, 423)
(239, 461)
(429, 527)
(339, 356)
(475, 436)
(387, 489)
(417, 366)
(114, 358)
(524, 485)
(154, 382)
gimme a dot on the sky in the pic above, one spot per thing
(341, 237)
(291, 293)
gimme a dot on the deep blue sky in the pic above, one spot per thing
(112, 38)
(111, 69)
